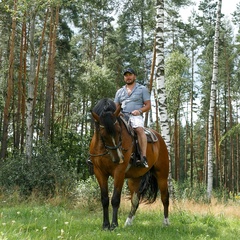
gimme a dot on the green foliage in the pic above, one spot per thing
(184, 191)
(96, 82)
(88, 192)
(177, 84)
(73, 148)
(47, 174)
(233, 131)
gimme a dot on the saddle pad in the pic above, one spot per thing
(151, 136)
(129, 128)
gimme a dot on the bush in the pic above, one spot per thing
(88, 192)
(184, 191)
(47, 174)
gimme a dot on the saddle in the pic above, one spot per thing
(151, 138)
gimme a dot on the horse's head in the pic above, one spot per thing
(106, 118)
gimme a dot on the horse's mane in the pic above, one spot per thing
(105, 109)
(104, 105)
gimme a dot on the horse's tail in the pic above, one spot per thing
(148, 189)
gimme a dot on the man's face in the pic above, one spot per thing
(129, 78)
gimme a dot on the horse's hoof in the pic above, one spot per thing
(106, 227)
(166, 222)
(129, 221)
(113, 226)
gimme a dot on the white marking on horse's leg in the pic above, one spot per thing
(120, 155)
(135, 202)
(128, 166)
(129, 221)
(166, 222)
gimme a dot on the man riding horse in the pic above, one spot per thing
(134, 99)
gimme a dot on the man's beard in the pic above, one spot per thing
(130, 83)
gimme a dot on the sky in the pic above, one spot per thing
(228, 7)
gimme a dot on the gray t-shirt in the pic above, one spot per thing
(135, 100)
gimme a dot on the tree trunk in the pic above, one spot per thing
(176, 147)
(20, 88)
(23, 105)
(161, 92)
(39, 60)
(232, 169)
(191, 124)
(212, 104)
(9, 87)
(30, 90)
(50, 74)
(151, 78)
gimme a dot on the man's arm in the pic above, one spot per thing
(117, 104)
(146, 107)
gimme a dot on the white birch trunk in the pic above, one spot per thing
(161, 92)
(212, 104)
(30, 94)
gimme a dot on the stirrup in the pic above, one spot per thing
(144, 162)
(89, 162)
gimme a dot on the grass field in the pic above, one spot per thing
(55, 219)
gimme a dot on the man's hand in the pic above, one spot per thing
(136, 113)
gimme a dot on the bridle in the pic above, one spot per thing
(107, 147)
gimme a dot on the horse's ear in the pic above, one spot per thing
(95, 116)
(116, 113)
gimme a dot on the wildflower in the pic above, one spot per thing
(44, 228)
(66, 223)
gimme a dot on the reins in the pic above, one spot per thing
(109, 147)
(99, 155)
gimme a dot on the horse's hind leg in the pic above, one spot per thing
(163, 186)
(133, 185)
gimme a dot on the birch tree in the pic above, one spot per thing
(213, 103)
(30, 92)
(161, 91)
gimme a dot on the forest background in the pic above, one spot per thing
(58, 58)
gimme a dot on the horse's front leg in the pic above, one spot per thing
(116, 198)
(105, 206)
(103, 183)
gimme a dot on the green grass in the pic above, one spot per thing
(58, 221)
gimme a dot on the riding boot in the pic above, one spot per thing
(142, 162)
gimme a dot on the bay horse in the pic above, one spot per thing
(111, 148)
